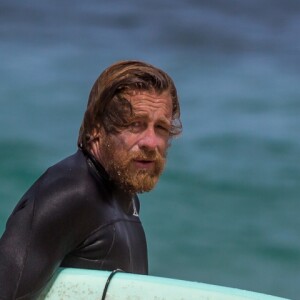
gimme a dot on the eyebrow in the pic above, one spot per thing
(162, 119)
(165, 121)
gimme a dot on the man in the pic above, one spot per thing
(83, 211)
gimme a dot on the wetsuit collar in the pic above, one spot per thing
(96, 166)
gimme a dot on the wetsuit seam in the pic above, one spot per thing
(111, 223)
(108, 251)
(110, 248)
(27, 249)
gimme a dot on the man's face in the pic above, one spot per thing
(135, 157)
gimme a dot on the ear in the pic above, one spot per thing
(96, 141)
(97, 133)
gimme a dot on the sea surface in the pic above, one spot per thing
(226, 210)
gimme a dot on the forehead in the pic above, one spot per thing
(145, 102)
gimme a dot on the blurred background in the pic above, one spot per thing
(226, 209)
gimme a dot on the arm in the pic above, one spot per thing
(43, 228)
(14, 246)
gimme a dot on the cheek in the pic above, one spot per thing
(130, 142)
(165, 148)
(165, 143)
(127, 141)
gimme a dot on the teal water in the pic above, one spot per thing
(226, 209)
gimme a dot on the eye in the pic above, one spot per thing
(163, 129)
(136, 126)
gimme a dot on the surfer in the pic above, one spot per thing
(83, 212)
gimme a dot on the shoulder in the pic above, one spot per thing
(71, 174)
(64, 204)
(71, 169)
(67, 187)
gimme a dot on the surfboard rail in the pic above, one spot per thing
(79, 284)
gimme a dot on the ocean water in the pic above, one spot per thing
(226, 209)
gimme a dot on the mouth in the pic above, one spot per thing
(144, 164)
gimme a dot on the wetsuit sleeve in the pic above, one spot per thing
(48, 223)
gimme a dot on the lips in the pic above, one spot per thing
(144, 164)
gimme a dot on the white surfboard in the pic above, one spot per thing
(81, 284)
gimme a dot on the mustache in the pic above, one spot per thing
(146, 154)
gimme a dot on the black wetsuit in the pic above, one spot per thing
(72, 216)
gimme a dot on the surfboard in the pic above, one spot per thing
(82, 284)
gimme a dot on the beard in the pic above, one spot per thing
(122, 170)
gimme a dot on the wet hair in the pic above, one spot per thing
(107, 106)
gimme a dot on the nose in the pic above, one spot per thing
(149, 139)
